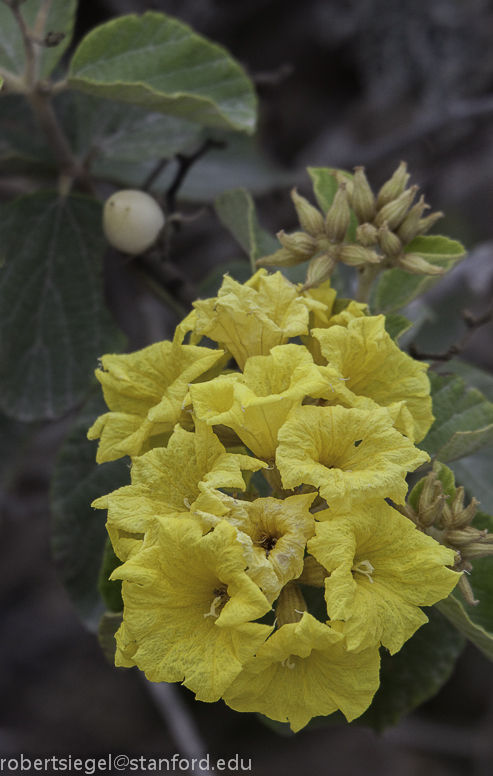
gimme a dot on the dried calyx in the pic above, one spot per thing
(450, 523)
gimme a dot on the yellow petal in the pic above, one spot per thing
(256, 404)
(188, 604)
(251, 319)
(149, 385)
(375, 368)
(167, 482)
(273, 533)
(304, 670)
(382, 569)
(350, 455)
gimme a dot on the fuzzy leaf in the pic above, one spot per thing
(53, 321)
(463, 419)
(474, 473)
(159, 63)
(397, 288)
(79, 533)
(237, 212)
(61, 18)
(396, 326)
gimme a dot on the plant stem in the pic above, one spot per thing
(365, 281)
(43, 109)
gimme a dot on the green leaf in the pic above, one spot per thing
(79, 533)
(53, 321)
(463, 419)
(108, 626)
(446, 477)
(397, 325)
(110, 589)
(415, 673)
(455, 612)
(236, 211)
(118, 132)
(61, 18)
(20, 137)
(437, 249)
(159, 63)
(325, 186)
(397, 288)
(474, 473)
(473, 375)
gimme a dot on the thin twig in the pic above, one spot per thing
(180, 723)
(29, 46)
(154, 174)
(184, 165)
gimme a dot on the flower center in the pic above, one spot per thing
(364, 567)
(221, 598)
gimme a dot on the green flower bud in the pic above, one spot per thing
(281, 258)
(320, 269)
(416, 265)
(388, 241)
(299, 244)
(410, 225)
(394, 187)
(339, 215)
(426, 223)
(132, 221)
(367, 235)
(361, 199)
(357, 255)
(311, 219)
(313, 573)
(394, 212)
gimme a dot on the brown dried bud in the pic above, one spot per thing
(290, 605)
(320, 269)
(416, 265)
(394, 212)
(361, 199)
(394, 187)
(388, 241)
(313, 573)
(311, 219)
(299, 244)
(366, 234)
(465, 588)
(339, 216)
(409, 227)
(356, 255)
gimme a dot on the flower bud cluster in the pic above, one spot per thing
(450, 523)
(386, 225)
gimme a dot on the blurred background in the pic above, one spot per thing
(341, 83)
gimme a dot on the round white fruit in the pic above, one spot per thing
(132, 221)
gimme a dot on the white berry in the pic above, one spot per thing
(132, 221)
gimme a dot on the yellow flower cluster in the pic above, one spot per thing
(218, 580)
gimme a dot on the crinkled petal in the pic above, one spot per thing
(188, 604)
(304, 670)
(350, 455)
(374, 367)
(382, 569)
